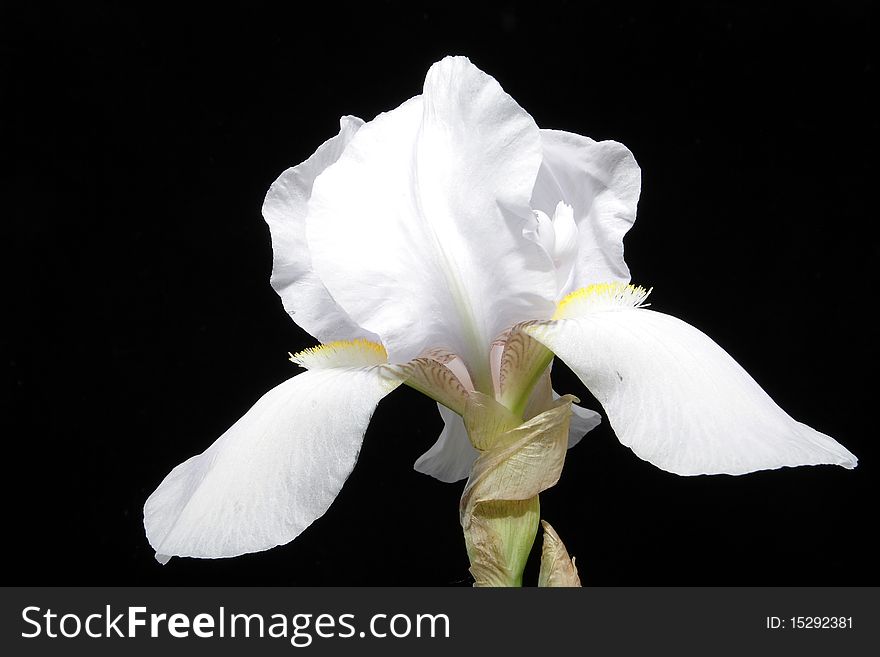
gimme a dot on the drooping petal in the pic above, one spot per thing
(451, 458)
(417, 229)
(302, 293)
(601, 182)
(273, 472)
(677, 399)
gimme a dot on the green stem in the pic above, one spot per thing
(500, 541)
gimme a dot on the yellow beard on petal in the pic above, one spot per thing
(601, 296)
(341, 353)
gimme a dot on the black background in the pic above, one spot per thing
(141, 145)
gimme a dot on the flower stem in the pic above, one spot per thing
(500, 539)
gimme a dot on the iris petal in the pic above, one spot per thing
(601, 181)
(677, 399)
(303, 294)
(417, 229)
(273, 472)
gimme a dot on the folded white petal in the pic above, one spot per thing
(417, 230)
(601, 181)
(302, 293)
(559, 239)
(273, 472)
(678, 400)
(452, 456)
(541, 232)
(566, 244)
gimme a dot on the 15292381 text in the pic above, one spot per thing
(809, 623)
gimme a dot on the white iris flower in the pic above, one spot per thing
(452, 245)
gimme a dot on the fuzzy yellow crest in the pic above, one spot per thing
(601, 296)
(341, 353)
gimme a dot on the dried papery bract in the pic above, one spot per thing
(557, 567)
(499, 507)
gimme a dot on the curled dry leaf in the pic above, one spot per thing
(557, 568)
(499, 508)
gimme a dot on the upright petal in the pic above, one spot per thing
(677, 399)
(302, 293)
(417, 230)
(559, 238)
(601, 182)
(273, 472)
